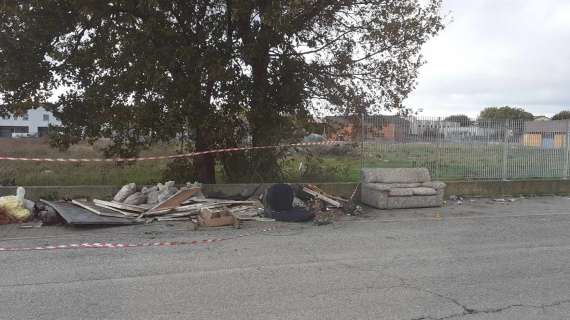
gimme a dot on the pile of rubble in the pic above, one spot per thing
(166, 202)
(147, 195)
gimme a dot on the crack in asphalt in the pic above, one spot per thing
(466, 310)
(470, 311)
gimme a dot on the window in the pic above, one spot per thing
(25, 117)
(46, 117)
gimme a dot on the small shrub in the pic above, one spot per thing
(315, 170)
(180, 170)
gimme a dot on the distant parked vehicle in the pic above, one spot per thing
(22, 135)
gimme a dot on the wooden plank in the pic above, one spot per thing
(124, 213)
(176, 200)
(98, 210)
(322, 197)
(181, 214)
(221, 201)
(321, 191)
(193, 207)
(122, 206)
(174, 219)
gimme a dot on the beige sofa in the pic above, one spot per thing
(385, 188)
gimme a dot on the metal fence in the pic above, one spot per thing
(467, 148)
(463, 149)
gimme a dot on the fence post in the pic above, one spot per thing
(505, 150)
(566, 150)
(438, 143)
(362, 131)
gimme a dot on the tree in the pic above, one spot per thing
(562, 115)
(505, 113)
(209, 72)
(462, 119)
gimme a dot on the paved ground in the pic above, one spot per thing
(478, 260)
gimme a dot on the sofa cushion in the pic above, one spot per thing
(377, 186)
(401, 192)
(424, 191)
(404, 185)
(389, 186)
(434, 184)
(395, 175)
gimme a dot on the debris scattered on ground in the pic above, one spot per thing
(136, 198)
(278, 203)
(125, 192)
(76, 215)
(5, 218)
(217, 218)
(350, 208)
(102, 211)
(47, 215)
(165, 202)
(457, 199)
(319, 194)
(13, 208)
(119, 207)
(31, 225)
(166, 190)
(308, 202)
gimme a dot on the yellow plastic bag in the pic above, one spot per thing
(14, 206)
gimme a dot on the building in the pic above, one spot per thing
(376, 127)
(34, 123)
(541, 118)
(546, 134)
(421, 127)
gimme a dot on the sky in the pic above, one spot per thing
(497, 53)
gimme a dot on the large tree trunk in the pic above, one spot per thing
(262, 118)
(204, 166)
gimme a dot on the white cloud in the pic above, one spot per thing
(495, 53)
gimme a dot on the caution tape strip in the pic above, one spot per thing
(186, 155)
(107, 245)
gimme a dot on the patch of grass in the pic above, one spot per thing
(62, 174)
(450, 161)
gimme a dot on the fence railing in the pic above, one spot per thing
(468, 149)
(462, 149)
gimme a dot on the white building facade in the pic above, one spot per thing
(35, 123)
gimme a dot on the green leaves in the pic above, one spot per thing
(505, 113)
(209, 73)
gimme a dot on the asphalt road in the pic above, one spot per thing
(479, 260)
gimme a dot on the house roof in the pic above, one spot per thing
(547, 126)
(370, 119)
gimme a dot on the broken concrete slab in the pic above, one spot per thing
(78, 216)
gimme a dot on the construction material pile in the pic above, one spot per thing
(165, 202)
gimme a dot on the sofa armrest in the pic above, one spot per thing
(369, 195)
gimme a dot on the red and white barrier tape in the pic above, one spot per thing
(107, 245)
(186, 155)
